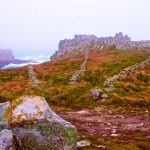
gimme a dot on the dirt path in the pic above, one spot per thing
(118, 125)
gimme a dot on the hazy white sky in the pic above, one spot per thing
(36, 26)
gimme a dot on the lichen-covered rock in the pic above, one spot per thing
(34, 123)
(3, 118)
(27, 109)
(6, 140)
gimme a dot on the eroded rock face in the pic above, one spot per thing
(34, 123)
(86, 42)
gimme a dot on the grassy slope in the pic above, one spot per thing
(55, 79)
(132, 91)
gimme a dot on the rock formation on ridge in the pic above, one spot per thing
(86, 42)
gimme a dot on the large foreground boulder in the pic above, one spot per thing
(36, 127)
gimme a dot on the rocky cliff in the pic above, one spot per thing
(6, 55)
(86, 42)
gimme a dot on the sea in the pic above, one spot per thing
(37, 59)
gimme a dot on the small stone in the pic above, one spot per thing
(83, 143)
(101, 146)
(113, 131)
(104, 96)
(114, 135)
(103, 100)
(141, 124)
(95, 93)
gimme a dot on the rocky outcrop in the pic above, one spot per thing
(109, 83)
(33, 125)
(86, 42)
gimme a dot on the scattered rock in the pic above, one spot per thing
(103, 100)
(98, 94)
(83, 143)
(104, 96)
(109, 83)
(77, 75)
(32, 76)
(114, 135)
(113, 131)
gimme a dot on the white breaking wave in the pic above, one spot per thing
(38, 59)
(35, 58)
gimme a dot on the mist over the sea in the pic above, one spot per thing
(33, 27)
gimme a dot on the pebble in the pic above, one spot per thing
(114, 135)
(83, 143)
(113, 131)
(101, 146)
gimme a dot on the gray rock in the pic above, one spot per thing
(32, 76)
(101, 146)
(3, 107)
(77, 74)
(104, 96)
(123, 74)
(83, 143)
(96, 93)
(6, 139)
(3, 118)
(32, 121)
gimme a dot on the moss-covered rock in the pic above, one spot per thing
(36, 126)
